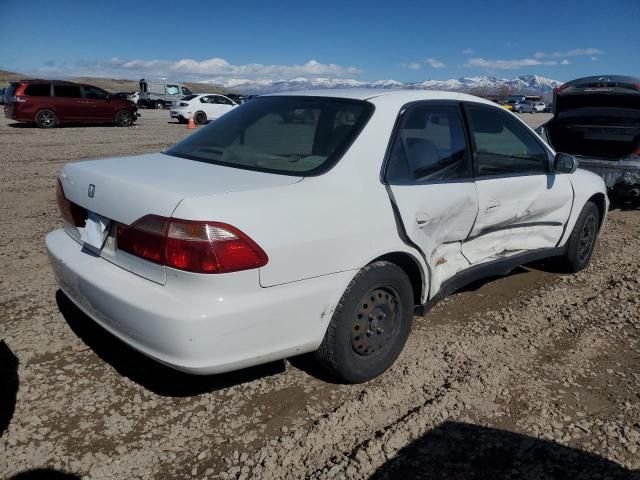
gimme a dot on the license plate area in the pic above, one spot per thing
(95, 231)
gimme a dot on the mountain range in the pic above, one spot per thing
(481, 84)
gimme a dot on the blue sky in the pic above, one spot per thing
(406, 41)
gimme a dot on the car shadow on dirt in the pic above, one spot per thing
(146, 372)
(9, 384)
(63, 125)
(461, 451)
(44, 474)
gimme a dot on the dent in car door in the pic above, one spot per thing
(429, 175)
(522, 205)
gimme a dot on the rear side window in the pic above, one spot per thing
(69, 91)
(38, 90)
(428, 146)
(502, 145)
(287, 135)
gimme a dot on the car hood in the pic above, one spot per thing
(127, 188)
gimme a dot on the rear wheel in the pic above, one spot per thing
(583, 238)
(370, 324)
(159, 105)
(200, 118)
(124, 118)
(46, 119)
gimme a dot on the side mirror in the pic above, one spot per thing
(109, 97)
(565, 163)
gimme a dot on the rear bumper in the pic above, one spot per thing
(200, 324)
(617, 174)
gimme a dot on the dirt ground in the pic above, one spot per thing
(535, 375)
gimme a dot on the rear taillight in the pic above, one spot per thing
(194, 246)
(560, 88)
(72, 213)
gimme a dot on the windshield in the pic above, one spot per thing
(287, 135)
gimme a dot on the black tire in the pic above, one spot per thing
(46, 119)
(370, 324)
(583, 238)
(200, 118)
(124, 118)
(159, 105)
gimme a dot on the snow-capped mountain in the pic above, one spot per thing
(483, 84)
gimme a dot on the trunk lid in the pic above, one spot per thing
(597, 117)
(125, 189)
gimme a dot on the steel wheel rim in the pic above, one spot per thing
(46, 118)
(587, 237)
(375, 322)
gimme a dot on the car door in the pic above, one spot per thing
(522, 204)
(99, 104)
(223, 105)
(68, 102)
(207, 104)
(429, 173)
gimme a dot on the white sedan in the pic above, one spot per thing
(203, 107)
(315, 222)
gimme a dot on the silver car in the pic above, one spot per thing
(523, 107)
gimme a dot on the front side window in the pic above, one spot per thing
(503, 146)
(207, 99)
(96, 93)
(68, 91)
(288, 135)
(38, 90)
(222, 100)
(429, 145)
(173, 90)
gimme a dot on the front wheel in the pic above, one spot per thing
(46, 119)
(583, 238)
(370, 324)
(159, 105)
(124, 118)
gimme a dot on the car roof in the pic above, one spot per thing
(402, 96)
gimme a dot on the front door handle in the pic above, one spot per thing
(492, 205)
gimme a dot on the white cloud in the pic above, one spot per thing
(190, 69)
(414, 66)
(576, 52)
(468, 51)
(434, 63)
(506, 64)
(565, 62)
(595, 59)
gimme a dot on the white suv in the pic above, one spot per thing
(315, 221)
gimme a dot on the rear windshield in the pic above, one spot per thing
(286, 135)
(11, 89)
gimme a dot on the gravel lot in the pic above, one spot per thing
(535, 375)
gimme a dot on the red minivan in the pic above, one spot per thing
(48, 103)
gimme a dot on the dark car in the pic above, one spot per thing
(49, 103)
(2, 91)
(597, 119)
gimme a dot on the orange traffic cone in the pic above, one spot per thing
(191, 123)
